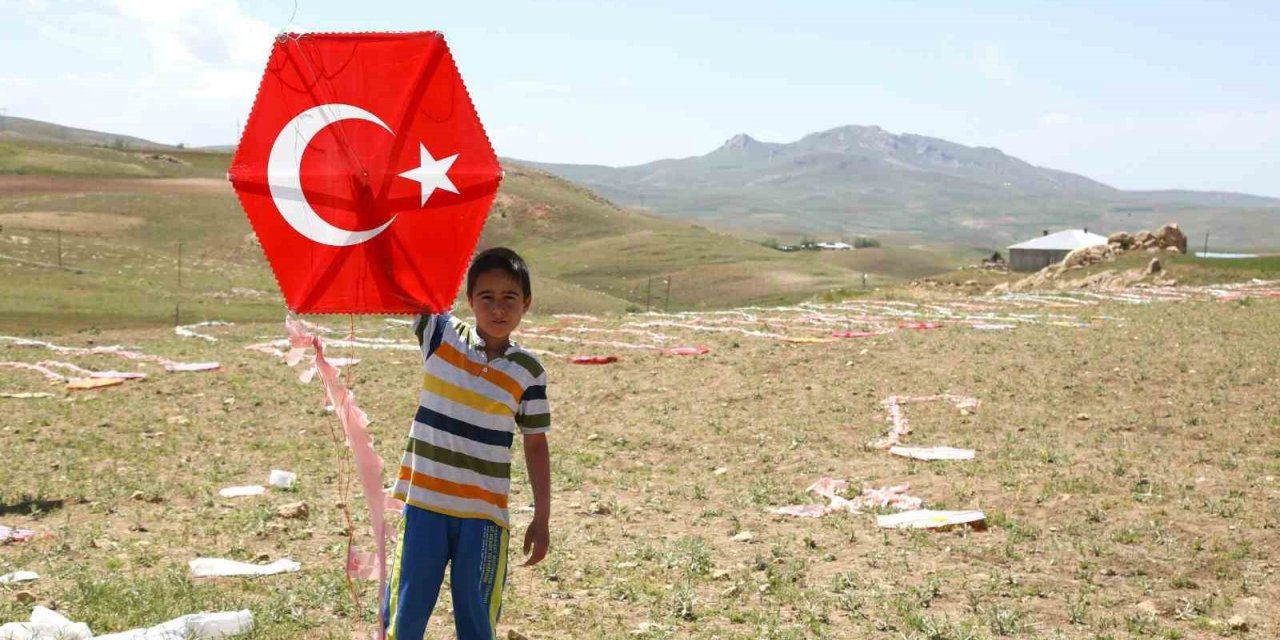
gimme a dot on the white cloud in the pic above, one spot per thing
(991, 62)
(14, 81)
(1057, 119)
(208, 32)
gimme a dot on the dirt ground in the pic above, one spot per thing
(44, 185)
(1127, 457)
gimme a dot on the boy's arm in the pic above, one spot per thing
(537, 456)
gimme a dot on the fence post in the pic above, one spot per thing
(668, 305)
(648, 293)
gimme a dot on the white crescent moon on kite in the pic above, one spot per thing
(284, 174)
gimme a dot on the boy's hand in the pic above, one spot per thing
(537, 539)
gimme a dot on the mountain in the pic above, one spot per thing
(864, 180)
(12, 127)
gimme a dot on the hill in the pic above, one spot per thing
(39, 131)
(864, 180)
(93, 237)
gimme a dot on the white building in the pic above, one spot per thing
(1034, 255)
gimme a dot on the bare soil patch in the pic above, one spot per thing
(69, 221)
(24, 184)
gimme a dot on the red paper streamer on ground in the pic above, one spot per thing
(593, 359)
(365, 172)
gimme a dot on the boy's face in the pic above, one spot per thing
(499, 303)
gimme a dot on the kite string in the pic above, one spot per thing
(346, 462)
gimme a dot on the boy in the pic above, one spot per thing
(479, 388)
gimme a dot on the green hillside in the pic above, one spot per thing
(91, 236)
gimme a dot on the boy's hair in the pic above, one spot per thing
(499, 259)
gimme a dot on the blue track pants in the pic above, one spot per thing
(476, 550)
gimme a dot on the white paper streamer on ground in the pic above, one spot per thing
(186, 330)
(240, 492)
(932, 453)
(19, 576)
(114, 350)
(16, 535)
(220, 568)
(282, 479)
(197, 626)
(901, 427)
(45, 624)
(830, 488)
(87, 373)
(929, 519)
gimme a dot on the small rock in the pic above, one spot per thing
(721, 471)
(1082, 417)
(293, 510)
(720, 574)
(744, 536)
(512, 634)
(1148, 608)
(590, 438)
(138, 495)
(599, 509)
(262, 557)
(179, 420)
(25, 597)
(1238, 623)
(731, 591)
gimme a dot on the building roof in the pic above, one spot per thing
(1063, 241)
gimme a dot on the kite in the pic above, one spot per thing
(365, 172)
(367, 176)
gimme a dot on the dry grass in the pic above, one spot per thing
(1152, 518)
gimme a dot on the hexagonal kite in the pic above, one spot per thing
(365, 172)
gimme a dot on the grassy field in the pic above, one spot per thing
(1128, 471)
(1127, 455)
(90, 237)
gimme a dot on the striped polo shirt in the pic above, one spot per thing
(458, 460)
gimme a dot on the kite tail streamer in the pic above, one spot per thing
(355, 426)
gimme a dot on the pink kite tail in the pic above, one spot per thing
(355, 425)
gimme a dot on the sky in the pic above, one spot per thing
(1138, 95)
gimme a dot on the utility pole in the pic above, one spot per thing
(1206, 245)
(648, 294)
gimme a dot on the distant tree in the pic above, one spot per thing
(863, 242)
(182, 145)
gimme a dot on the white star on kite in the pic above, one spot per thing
(431, 174)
